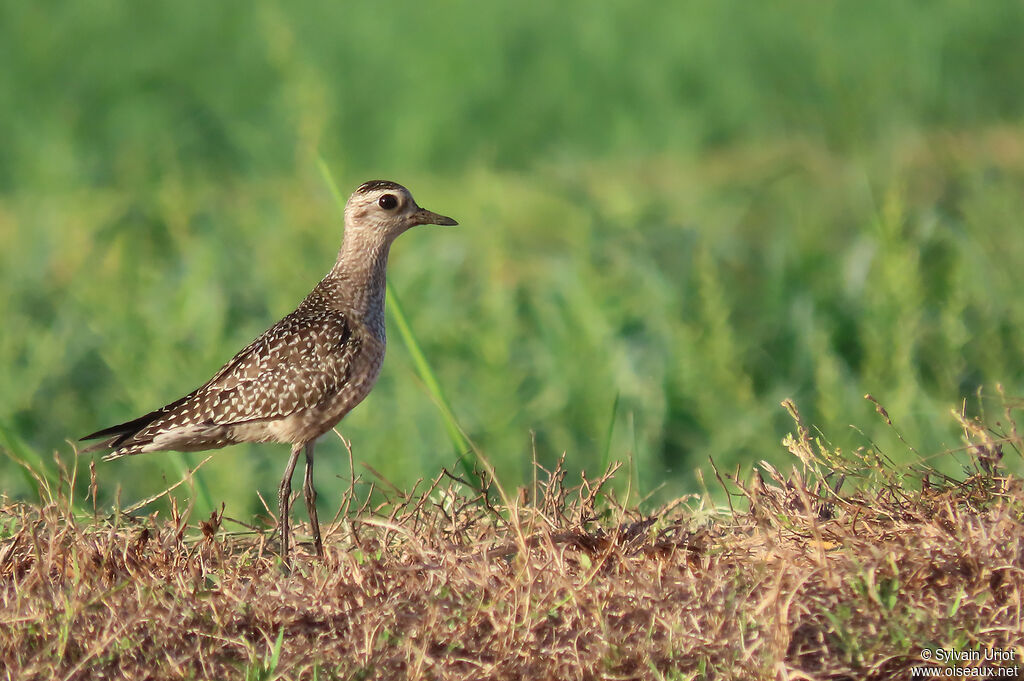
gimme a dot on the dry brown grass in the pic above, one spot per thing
(845, 567)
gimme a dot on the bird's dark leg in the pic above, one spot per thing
(310, 492)
(284, 499)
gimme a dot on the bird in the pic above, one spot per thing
(298, 379)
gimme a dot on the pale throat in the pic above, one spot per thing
(360, 270)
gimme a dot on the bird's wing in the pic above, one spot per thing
(298, 362)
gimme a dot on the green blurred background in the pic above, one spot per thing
(672, 217)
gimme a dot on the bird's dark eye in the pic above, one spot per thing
(388, 201)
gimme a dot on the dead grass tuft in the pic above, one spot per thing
(843, 568)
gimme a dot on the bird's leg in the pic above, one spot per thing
(310, 492)
(284, 499)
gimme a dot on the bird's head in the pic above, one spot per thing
(386, 209)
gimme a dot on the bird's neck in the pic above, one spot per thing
(357, 281)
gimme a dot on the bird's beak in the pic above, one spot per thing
(426, 217)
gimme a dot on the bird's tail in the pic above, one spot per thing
(120, 437)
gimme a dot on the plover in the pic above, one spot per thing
(298, 379)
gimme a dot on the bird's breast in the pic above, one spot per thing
(314, 421)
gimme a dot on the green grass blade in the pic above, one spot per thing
(275, 658)
(332, 186)
(607, 453)
(463, 447)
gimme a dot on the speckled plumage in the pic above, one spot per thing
(298, 379)
(292, 384)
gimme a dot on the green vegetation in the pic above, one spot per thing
(672, 219)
